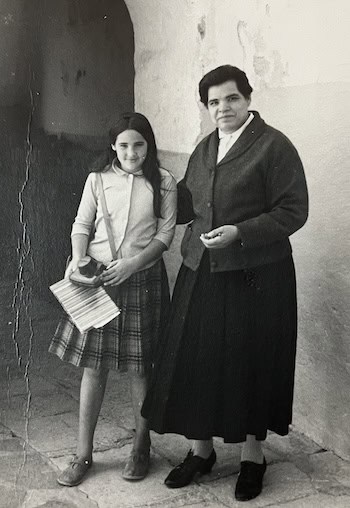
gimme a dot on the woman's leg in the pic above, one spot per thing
(252, 450)
(202, 448)
(92, 391)
(199, 460)
(253, 466)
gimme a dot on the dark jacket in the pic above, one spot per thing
(259, 186)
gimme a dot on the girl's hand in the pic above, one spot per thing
(118, 271)
(72, 265)
(220, 237)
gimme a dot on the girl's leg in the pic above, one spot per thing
(252, 450)
(136, 467)
(138, 388)
(92, 391)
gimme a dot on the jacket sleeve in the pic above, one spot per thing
(185, 211)
(286, 199)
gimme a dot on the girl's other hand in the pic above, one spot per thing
(220, 237)
(118, 271)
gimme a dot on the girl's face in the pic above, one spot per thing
(131, 150)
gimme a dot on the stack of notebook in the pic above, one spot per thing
(87, 307)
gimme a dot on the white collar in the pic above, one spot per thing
(239, 131)
(119, 171)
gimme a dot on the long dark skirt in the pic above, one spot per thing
(226, 367)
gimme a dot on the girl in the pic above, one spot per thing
(141, 201)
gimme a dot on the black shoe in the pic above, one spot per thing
(184, 473)
(250, 480)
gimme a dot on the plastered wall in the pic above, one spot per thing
(87, 66)
(294, 53)
(15, 41)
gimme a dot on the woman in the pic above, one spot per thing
(227, 366)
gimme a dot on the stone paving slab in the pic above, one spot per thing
(12, 496)
(291, 445)
(50, 404)
(21, 468)
(63, 498)
(56, 435)
(329, 473)
(318, 501)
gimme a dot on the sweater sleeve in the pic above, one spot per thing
(286, 198)
(167, 222)
(87, 208)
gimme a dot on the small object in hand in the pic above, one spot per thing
(88, 272)
(207, 237)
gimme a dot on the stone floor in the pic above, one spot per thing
(39, 418)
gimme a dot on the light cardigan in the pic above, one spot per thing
(259, 186)
(129, 201)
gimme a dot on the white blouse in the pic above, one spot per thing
(226, 141)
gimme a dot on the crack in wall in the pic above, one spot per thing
(22, 293)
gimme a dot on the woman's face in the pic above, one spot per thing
(228, 108)
(131, 150)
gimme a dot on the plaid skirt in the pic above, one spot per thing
(128, 342)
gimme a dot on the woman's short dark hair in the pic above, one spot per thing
(150, 167)
(219, 76)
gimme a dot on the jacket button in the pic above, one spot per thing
(209, 204)
(213, 264)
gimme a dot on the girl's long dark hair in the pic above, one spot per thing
(150, 167)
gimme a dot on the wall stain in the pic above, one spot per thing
(201, 27)
(64, 78)
(261, 60)
(80, 74)
(261, 66)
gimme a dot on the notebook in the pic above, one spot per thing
(87, 307)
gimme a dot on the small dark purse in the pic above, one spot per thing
(88, 272)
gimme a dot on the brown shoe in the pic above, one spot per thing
(137, 466)
(75, 472)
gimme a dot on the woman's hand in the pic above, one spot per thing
(220, 237)
(118, 271)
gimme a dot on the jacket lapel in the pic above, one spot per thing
(210, 153)
(246, 139)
